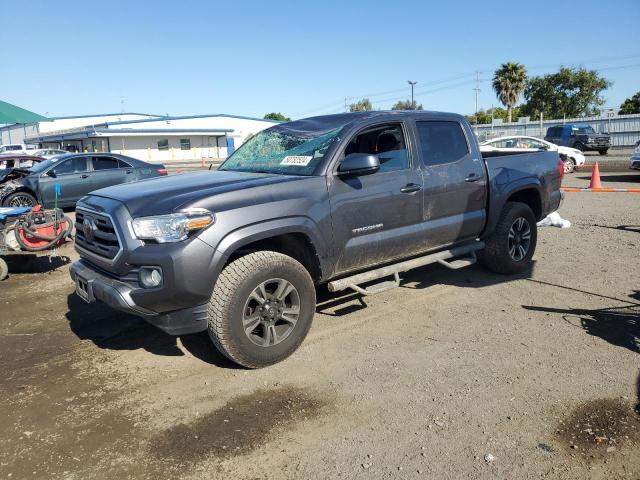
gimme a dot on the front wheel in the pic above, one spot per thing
(510, 248)
(579, 146)
(603, 151)
(20, 199)
(261, 308)
(569, 165)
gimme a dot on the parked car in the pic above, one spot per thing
(571, 157)
(340, 200)
(19, 161)
(48, 152)
(635, 157)
(582, 137)
(17, 148)
(76, 175)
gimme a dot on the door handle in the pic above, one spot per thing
(129, 170)
(84, 175)
(410, 188)
(472, 178)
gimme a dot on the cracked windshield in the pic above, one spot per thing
(282, 150)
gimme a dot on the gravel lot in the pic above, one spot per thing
(455, 375)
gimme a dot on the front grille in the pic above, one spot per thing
(96, 233)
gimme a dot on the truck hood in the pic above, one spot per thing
(163, 195)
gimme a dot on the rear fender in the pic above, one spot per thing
(502, 193)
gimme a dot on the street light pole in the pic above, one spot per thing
(412, 85)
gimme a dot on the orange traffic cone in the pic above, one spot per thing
(595, 177)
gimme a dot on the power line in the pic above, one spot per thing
(425, 86)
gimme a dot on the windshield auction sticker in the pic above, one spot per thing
(300, 160)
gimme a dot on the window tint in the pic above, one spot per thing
(73, 165)
(387, 142)
(441, 142)
(122, 164)
(163, 144)
(185, 144)
(104, 163)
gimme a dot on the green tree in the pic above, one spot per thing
(276, 116)
(485, 116)
(363, 105)
(630, 105)
(407, 105)
(509, 82)
(570, 92)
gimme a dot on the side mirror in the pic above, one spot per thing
(51, 174)
(359, 164)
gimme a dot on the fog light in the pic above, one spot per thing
(150, 277)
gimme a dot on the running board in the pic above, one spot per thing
(353, 282)
(460, 263)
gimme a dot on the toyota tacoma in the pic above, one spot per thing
(349, 200)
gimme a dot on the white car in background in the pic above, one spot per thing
(571, 157)
(48, 152)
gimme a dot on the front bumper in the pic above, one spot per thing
(118, 295)
(635, 163)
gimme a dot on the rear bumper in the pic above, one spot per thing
(118, 295)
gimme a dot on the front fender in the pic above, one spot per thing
(236, 239)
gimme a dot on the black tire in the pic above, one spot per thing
(4, 269)
(230, 304)
(497, 255)
(603, 152)
(569, 164)
(20, 199)
(579, 146)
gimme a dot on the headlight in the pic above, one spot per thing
(174, 227)
(637, 149)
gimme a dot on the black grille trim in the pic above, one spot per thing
(105, 243)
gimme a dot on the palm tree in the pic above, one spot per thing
(509, 82)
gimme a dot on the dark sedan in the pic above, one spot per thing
(76, 175)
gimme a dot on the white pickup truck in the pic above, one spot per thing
(17, 149)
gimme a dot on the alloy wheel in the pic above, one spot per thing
(519, 239)
(271, 312)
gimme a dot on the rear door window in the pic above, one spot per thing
(105, 163)
(442, 142)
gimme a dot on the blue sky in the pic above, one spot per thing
(301, 58)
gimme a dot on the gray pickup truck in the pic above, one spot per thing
(349, 200)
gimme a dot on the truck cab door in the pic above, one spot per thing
(455, 183)
(376, 216)
(72, 175)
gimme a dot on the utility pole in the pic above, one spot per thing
(345, 105)
(477, 90)
(412, 85)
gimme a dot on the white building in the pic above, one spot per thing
(147, 137)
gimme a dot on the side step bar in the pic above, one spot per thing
(353, 282)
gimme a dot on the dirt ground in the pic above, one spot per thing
(457, 374)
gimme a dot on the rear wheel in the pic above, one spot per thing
(261, 308)
(510, 248)
(20, 199)
(603, 151)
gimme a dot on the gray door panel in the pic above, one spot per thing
(107, 173)
(74, 180)
(373, 220)
(455, 184)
